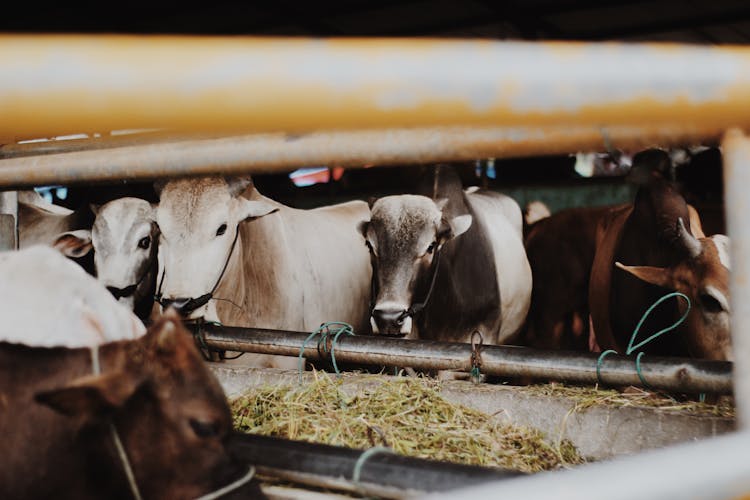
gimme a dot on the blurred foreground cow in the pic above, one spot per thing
(47, 300)
(448, 264)
(229, 254)
(66, 410)
(648, 249)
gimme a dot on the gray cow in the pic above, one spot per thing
(448, 264)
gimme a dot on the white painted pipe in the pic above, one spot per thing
(736, 154)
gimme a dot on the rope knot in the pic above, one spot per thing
(328, 339)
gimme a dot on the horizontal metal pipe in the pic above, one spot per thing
(668, 374)
(160, 155)
(386, 470)
(58, 84)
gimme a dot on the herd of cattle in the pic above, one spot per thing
(436, 264)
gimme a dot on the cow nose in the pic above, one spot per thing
(179, 303)
(389, 320)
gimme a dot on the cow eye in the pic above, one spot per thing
(145, 242)
(222, 229)
(709, 303)
(204, 429)
(432, 247)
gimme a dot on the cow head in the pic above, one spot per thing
(199, 220)
(404, 235)
(169, 412)
(702, 275)
(124, 238)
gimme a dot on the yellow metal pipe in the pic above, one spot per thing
(160, 156)
(58, 84)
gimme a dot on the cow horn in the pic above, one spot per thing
(687, 240)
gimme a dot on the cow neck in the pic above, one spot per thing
(121, 453)
(658, 207)
(233, 295)
(125, 461)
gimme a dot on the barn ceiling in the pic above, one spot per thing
(695, 21)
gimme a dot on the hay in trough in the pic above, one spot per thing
(586, 397)
(407, 414)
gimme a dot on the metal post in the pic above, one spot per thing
(62, 84)
(8, 220)
(669, 374)
(160, 155)
(736, 153)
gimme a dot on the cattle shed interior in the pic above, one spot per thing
(597, 176)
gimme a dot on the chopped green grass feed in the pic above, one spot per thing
(407, 414)
(587, 397)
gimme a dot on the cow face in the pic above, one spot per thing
(199, 220)
(704, 277)
(124, 239)
(169, 411)
(404, 234)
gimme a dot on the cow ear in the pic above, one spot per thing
(237, 185)
(74, 244)
(91, 396)
(252, 209)
(659, 276)
(460, 224)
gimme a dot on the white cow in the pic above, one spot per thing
(48, 301)
(44, 223)
(124, 239)
(245, 260)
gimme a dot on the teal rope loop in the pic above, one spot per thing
(325, 332)
(631, 348)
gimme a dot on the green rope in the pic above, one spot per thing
(325, 332)
(631, 348)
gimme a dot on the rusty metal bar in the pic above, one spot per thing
(384, 473)
(58, 84)
(736, 156)
(668, 374)
(160, 155)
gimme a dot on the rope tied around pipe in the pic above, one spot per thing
(631, 348)
(476, 356)
(328, 340)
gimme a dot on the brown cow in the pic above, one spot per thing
(169, 412)
(561, 249)
(652, 245)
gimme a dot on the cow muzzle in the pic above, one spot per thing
(185, 305)
(391, 322)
